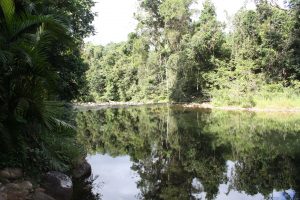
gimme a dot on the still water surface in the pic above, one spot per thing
(169, 152)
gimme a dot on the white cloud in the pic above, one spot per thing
(227, 7)
(114, 21)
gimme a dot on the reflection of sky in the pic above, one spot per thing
(283, 195)
(118, 182)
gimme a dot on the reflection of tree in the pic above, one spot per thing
(255, 174)
(264, 147)
(201, 156)
(170, 147)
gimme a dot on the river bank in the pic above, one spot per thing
(15, 184)
(237, 108)
(103, 105)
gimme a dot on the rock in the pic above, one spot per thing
(41, 196)
(12, 186)
(11, 173)
(40, 189)
(3, 196)
(25, 185)
(14, 191)
(58, 185)
(4, 180)
(82, 170)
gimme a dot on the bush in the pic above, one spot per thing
(274, 95)
(37, 149)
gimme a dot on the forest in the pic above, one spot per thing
(254, 61)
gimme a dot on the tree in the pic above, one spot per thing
(172, 58)
(66, 55)
(295, 40)
(29, 116)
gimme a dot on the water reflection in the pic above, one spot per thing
(167, 152)
(116, 180)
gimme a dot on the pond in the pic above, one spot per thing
(171, 152)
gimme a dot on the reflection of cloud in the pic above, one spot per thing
(283, 195)
(116, 178)
(198, 187)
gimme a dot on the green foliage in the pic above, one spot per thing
(261, 59)
(174, 9)
(116, 79)
(34, 133)
(173, 58)
(65, 55)
(163, 61)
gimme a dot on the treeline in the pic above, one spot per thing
(40, 42)
(171, 57)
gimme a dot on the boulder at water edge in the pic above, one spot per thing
(58, 185)
(82, 170)
(11, 173)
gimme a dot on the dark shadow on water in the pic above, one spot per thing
(83, 189)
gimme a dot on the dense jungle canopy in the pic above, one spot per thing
(173, 57)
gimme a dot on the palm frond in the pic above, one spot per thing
(21, 110)
(53, 161)
(3, 57)
(50, 112)
(8, 9)
(27, 22)
(62, 124)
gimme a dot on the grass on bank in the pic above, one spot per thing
(272, 96)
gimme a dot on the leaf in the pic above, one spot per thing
(21, 110)
(8, 8)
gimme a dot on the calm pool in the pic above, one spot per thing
(170, 152)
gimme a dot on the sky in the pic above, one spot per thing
(116, 17)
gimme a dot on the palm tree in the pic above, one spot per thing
(26, 77)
